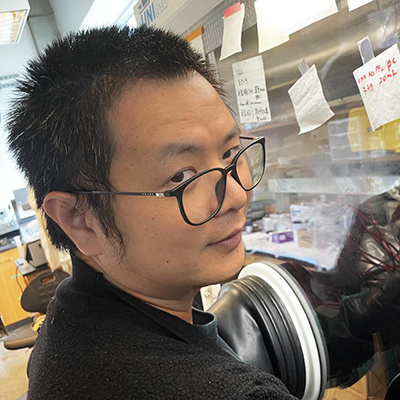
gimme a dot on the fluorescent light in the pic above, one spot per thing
(13, 15)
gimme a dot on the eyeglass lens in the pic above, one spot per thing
(203, 196)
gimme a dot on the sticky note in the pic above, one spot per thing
(299, 14)
(251, 90)
(378, 81)
(310, 106)
(232, 36)
(353, 4)
(270, 24)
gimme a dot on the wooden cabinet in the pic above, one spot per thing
(10, 293)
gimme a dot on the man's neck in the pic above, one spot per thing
(181, 308)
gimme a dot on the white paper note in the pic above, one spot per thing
(197, 44)
(270, 24)
(251, 90)
(353, 4)
(299, 14)
(310, 106)
(232, 37)
(379, 83)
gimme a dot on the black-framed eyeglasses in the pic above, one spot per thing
(201, 197)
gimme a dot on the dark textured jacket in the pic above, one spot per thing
(100, 343)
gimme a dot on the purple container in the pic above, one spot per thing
(282, 237)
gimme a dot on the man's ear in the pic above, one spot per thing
(82, 227)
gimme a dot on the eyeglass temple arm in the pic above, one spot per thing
(250, 137)
(94, 192)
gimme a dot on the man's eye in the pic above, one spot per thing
(230, 153)
(182, 176)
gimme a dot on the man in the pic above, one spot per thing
(137, 163)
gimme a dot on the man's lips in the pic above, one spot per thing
(230, 241)
(235, 232)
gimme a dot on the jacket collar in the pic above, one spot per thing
(86, 279)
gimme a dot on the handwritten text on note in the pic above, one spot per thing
(379, 83)
(251, 90)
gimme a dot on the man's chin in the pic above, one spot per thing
(233, 266)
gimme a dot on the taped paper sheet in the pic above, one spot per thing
(299, 14)
(197, 44)
(379, 83)
(251, 90)
(232, 37)
(196, 40)
(353, 4)
(310, 106)
(270, 24)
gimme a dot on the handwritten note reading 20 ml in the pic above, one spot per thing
(379, 83)
(251, 90)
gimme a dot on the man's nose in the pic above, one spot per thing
(235, 196)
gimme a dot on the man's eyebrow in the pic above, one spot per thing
(174, 149)
(233, 133)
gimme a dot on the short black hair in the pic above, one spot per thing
(59, 132)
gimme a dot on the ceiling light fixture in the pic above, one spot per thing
(13, 15)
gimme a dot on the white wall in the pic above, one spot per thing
(70, 14)
(74, 14)
(42, 23)
(106, 12)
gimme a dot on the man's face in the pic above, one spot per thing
(166, 133)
